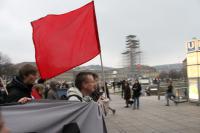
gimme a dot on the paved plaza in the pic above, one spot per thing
(153, 117)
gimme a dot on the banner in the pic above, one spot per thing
(54, 117)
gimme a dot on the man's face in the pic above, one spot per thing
(30, 79)
(89, 84)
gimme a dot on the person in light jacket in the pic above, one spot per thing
(84, 87)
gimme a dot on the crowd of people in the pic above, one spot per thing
(131, 95)
(26, 87)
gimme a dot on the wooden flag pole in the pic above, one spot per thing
(103, 79)
(103, 76)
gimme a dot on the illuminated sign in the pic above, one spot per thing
(193, 89)
(191, 46)
(193, 71)
(198, 45)
(192, 58)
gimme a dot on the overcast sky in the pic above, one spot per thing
(162, 26)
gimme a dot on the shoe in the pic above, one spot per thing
(114, 111)
(176, 103)
(126, 106)
(167, 105)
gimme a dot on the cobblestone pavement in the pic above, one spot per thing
(153, 117)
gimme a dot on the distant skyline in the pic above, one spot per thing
(162, 27)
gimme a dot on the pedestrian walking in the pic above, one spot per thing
(169, 94)
(136, 94)
(113, 84)
(127, 93)
(107, 90)
(123, 88)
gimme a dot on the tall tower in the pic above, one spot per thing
(132, 55)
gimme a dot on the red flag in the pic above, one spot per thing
(65, 41)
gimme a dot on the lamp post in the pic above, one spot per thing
(114, 74)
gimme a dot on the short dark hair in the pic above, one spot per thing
(81, 77)
(27, 70)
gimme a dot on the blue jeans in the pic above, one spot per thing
(169, 96)
(136, 103)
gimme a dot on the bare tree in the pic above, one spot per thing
(6, 67)
(4, 59)
(163, 75)
(174, 74)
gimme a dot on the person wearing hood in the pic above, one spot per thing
(38, 91)
(19, 89)
(85, 86)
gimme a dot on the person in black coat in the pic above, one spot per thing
(114, 86)
(19, 89)
(123, 88)
(107, 90)
(136, 94)
(169, 94)
(127, 93)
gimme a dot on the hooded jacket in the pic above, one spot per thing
(73, 94)
(17, 90)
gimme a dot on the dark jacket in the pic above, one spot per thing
(123, 86)
(170, 89)
(17, 90)
(127, 92)
(136, 90)
(3, 96)
(107, 91)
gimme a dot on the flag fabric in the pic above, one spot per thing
(47, 116)
(65, 41)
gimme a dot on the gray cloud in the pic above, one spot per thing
(161, 26)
